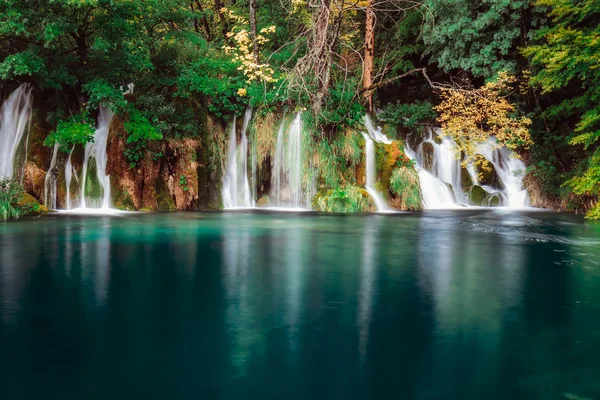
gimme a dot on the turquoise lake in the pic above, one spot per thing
(476, 304)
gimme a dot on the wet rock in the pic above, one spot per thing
(477, 195)
(428, 153)
(264, 201)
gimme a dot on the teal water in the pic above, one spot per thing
(436, 305)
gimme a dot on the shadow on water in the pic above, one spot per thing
(466, 305)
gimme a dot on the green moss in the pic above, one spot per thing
(477, 195)
(92, 188)
(404, 184)
(164, 200)
(263, 201)
(343, 200)
(121, 198)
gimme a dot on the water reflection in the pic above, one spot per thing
(366, 292)
(241, 305)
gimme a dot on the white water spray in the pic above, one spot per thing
(441, 173)
(287, 173)
(15, 117)
(97, 150)
(69, 174)
(50, 181)
(236, 189)
(373, 134)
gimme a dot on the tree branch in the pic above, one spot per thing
(386, 82)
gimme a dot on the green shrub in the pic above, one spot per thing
(404, 183)
(15, 203)
(343, 200)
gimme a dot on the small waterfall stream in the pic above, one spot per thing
(287, 173)
(96, 151)
(50, 181)
(373, 134)
(15, 116)
(236, 189)
(69, 174)
(443, 177)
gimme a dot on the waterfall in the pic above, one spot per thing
(371, 174)
(69, 173)
(294, 156)
(96, 150)
(287, 173)
(373, 134)
(278, 173)
(236, 189)
(50, 181)
(442, 175)
(15, 117)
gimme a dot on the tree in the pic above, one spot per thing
(567, 59)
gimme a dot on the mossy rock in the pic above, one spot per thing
(494, 200)
(465, 180)
(164, 200)
(389, 157)
(406, 189)
(477, 195)
(92, 187)
(146, 209)
(121, 198)
(487, 172)
(31, 206)
(428, 153)
(437, 138)
(264, 201)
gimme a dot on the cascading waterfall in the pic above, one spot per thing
(15, 117)
(96, 150)
(236, 189)
(373, 134)
(69, 174)
(287, 173)
(442, 176)
(50, 181)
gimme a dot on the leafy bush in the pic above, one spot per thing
(404, 183)
(78, 129)
(15, 203)
(408, 115)
(342, 200)
(140, 131)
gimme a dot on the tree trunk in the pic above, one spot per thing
(204, 21)
(252, 7)
(224, 25)
(321, 50)
(369, 61)
(196, 27)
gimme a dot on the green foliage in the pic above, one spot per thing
(404, 183)
(183, 183)
(343, 200)
(140, 132)
(568, 61)
(589, 182)
(216, 77)
(480, 37)
(78, 129)
(408, 115)
(12, 200)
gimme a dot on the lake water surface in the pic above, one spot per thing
(241, 305)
